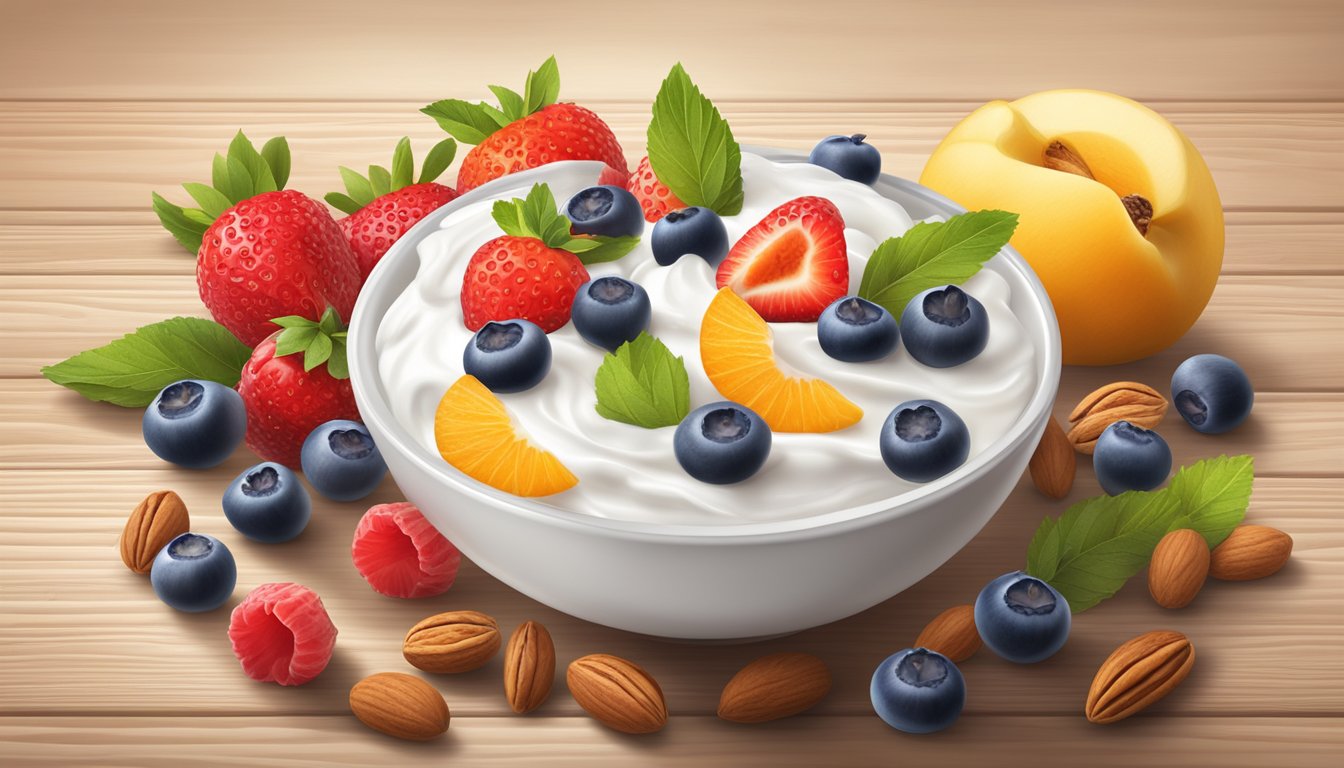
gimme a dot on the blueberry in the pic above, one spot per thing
(1130, 458)
(923, 440)
(194, 573)
(722, 443)
(610, 311)
(1212, 393)
(856, 330)
(918, 691)
(341, 460)
(1021, 618)
(508, 356)
(606, 210)
(849, 157)
(267, 503)
(194, 423)
(690, 230)
(943, 327)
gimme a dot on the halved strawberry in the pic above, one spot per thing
(793, 264)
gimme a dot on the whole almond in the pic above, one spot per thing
(775, 686)
(452, 642)
(1137, 674)
(399, 705)
(1053, 464)
(157, 520)
(1139, 404)
(952, 633)
(1250, 552)
(529, 667)
(617, 693)
(1179, 566)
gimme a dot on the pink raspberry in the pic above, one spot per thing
(401, 554)
(281, 633)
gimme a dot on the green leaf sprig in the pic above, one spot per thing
(362, 190)
(692, 149)
(644, 384)
(932, 254)
(473, 123)
(241, 173)
(132, 370)
(1091, 550)
(320, 341)
(538, 216)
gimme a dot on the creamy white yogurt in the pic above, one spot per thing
(630, 473)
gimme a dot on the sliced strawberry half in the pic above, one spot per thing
(793, 264)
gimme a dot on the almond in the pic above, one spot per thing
(617, 693)
(1250, 552)
(1179, 566)
(452, 642)
(952, 633)
(1139, 404)
(1053, 464)
(1138, 673)
(157, 520)
(775, 686)
(529, 667)
(399, 705)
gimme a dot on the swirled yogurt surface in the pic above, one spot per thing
(630, 473)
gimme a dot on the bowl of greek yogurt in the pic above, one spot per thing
(824, 530)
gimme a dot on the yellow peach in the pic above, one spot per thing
(1119, 213)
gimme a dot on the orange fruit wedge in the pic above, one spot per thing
(475, 434)
(737, 350)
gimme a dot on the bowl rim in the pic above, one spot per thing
(374, 411)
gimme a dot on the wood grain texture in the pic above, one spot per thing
(1281, 155)
(573, 742)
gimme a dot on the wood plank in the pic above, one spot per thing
(82, 631)
(1206, 50)
(83, 242)
(1262, 155)
(1268, 323)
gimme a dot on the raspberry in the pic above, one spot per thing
(281, 633)
(401, 554)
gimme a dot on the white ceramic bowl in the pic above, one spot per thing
(709, 582)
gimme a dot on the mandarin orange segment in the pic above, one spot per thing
(737, 350)
(474, 433)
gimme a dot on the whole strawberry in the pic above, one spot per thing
(288, 394)
(525, 131)
(542, 261)
(384, 205)
(262, 251)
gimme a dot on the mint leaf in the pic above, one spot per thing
(131, 370)
(596, 250)
(1213, 495)
(538, 217)
(932, 254)
(692, 149)
(644, 384)
(468, 123)
(1091, 550)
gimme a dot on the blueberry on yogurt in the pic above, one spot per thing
(1212, 393)
(922, 440)
(855, 330)
(1022, 618)
(944, 327)
(195, 423)
(1130, 458)
(508, 356)
(689, 230)
(610, 311)
(722, 443)
(918, 691)
(849, 157)
(607, 210)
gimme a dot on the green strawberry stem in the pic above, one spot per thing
(320, 341)
(474, 123)
(241, 173)
(537, 216)
(362, 190)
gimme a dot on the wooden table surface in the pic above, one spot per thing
(102, 103)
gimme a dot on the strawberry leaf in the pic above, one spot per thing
(543, 87)
(320, 341)
(381, 181)
(537, 216)
(276, 154)
(510, 102)
(403, 164)
(468, 123)
(437, 161)
(174, 219)
(236, 176)
(342, 202)
(209, 198)
(473, 123)
(361, 191)
(692, 149)
(594, 250)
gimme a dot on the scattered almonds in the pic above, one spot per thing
(1137, 674)
(1178, 568)
(529, 667)
(1139, 404)
(157, 520)
(452, 642)
(1250, 552)
(617, 693)
(399, 705)
(775, 686)
(952, 633)
(1054, 463)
